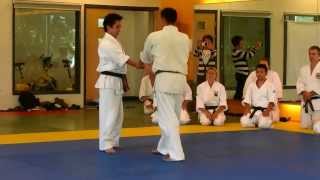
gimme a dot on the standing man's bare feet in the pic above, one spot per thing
(110, 151)
(167, 158)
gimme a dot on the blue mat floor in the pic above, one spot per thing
(262, 155)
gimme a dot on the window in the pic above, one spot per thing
(301, 32)
(252, 27)
(46, 49)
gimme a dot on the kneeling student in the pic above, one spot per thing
(259, 101)
(211, 100)
(308, 87)
(146, 95)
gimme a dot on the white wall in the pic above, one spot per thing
(7, 100)
(278, 8)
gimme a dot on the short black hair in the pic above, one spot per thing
(170, 15)
(262, 66)
(208, 36)
(110, 20)
(314, 47)
(236, 40)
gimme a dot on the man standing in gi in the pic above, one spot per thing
(168, 52)
(111, 84)
(308, 86)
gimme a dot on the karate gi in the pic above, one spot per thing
(184, 114)
(259, 98)
(168, 50)
(111, 58)
(146, 91)
(307, 81)
(211, 98)
(273, 78)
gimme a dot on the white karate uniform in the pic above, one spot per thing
(211, 96)
(259, 97)
(146, 90)
(308, 81)
(168, 50)
(187, 96)
(274, 78)
(184, 114)
(111, 58)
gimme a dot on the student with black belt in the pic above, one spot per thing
(211, 100)
(240, 57)
(112, 83)
(207, 57)
(259, 101)
(308, 87)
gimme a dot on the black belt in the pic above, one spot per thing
(109, 73)
(123, 77)
(256, 109)
(211, 107)
(161, 71)
(309, 103)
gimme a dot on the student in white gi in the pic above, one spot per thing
(146, 93)
(308, 86)
(184, 114)
(168, 51)
(211, 100)
(259, 101)
(112, 68)
(187, 98)
(274, 78)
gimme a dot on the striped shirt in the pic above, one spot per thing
(207, 59)
(240, 59)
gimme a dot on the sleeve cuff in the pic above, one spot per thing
(124, 59)
(144, 58)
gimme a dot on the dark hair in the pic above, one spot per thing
(262, 66)
(170, 15)
(236, 40)
(314, 47)
(208, 36)
(110, 20)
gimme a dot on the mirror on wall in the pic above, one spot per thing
(46, 50)
(301, 32)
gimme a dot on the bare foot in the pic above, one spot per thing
(110, 151)
(167, 158)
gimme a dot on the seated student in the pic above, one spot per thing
(207, 57)
(274, 78)
(146, 93)
(308, 88)
(259, 101)
(211, 100)
(146, 96)
(187, 98)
